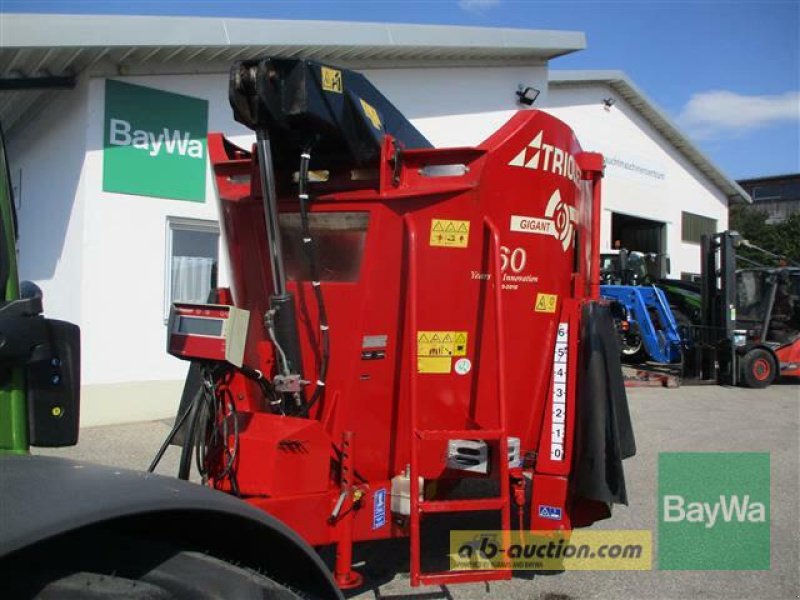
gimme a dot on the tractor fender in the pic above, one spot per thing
(742, 350)
(45, 497)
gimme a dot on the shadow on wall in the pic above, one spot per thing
(46, 160)
(447, 92)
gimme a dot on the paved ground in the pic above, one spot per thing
(687, 419)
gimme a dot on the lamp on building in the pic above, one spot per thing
(526, 95)
(609, 102)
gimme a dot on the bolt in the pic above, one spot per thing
(56, 379)
(55, 362)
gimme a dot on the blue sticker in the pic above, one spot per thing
(379, 509)
(550, 512)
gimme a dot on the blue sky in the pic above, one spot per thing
(727, 72)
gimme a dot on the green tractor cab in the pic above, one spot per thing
(39, 357)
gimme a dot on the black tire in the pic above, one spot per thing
(142, 570)
(757, 369)
(632, 350)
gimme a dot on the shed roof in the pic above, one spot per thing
(620, 83)
(46, 47)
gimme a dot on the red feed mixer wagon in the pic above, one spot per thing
(401, 319)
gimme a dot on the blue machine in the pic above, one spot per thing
(650, 331)
(653, 334)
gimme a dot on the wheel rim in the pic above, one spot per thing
(761, 369)
(629, 349)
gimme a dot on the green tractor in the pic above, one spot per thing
(72, 529)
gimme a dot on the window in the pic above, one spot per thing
(192, 260)
(693, 277)
(694, 226)
(339, 237)
(789, 190)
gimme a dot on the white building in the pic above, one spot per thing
(660, 193)
(111, 249)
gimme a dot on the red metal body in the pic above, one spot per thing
(454, 314)
(789, 359)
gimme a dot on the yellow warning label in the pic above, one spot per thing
(372, 114)
(546, 303)
(433, 364)
(441, 343)
(331, 80)
(449, 234)
(459, 343)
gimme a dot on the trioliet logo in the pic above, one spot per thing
(539, 155)
(154, 143)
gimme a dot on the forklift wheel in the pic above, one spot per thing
(757, 368)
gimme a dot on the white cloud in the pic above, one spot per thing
(477, 6)
(721, 113)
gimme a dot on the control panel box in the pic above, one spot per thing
(207, 332)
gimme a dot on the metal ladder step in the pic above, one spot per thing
(498, 435)
(472, 576)
(459, 434)
(465, 505)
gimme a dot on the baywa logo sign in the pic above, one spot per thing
(154, 143)
(714, 511)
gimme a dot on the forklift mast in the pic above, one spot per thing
(402, 320)
(718, 306)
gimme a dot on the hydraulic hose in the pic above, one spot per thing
(313, 267)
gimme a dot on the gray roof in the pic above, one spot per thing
(37, 44)
(619, 82)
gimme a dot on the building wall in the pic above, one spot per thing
(778, 196)
(645, 176)
(458, 106)
(101, 257)
(48, 174)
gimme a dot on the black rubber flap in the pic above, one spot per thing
(603, 432)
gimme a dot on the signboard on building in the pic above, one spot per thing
(154, 143)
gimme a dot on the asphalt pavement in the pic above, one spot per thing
(686, 419)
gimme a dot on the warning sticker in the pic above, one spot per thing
(331, 80)
(371, 114)
(433, 364)
(442, 343)
(546, 303)
(449, 234)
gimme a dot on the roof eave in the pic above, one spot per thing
(622, 84)
(114, 31)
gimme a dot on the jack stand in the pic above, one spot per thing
(346, 578)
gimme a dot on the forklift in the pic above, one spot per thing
(749, 328)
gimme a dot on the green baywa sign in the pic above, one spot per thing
(714, 511)
(154, 143)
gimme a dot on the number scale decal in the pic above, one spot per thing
(559, 387)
